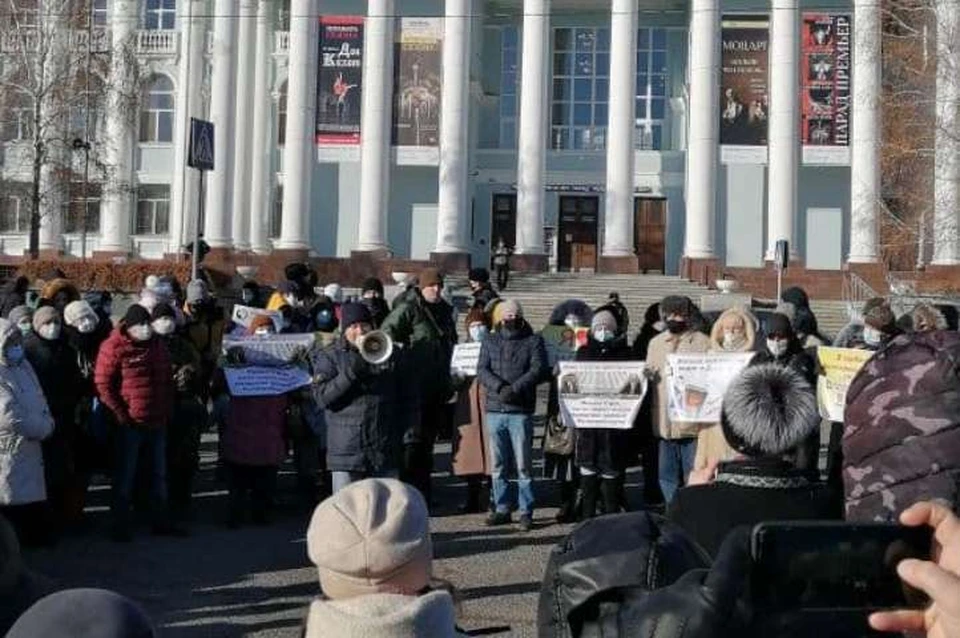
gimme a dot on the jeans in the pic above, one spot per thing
(341, 479)
(676, 463)
(511, 436)
(132, 446)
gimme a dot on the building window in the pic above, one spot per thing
(652, 78)
(159, 14)
(276, 212)
(92, 96)
(83, 211)
(22, 13)
(18, 123)
(156, 119)
(580, 89)
(153, 210)
(509, 81)
(15, 210)
(283, 15)
(282, 114)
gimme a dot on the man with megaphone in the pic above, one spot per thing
(357, 384)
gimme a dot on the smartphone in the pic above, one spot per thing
(818, 566)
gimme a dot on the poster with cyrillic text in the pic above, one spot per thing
(465, 358)
(258, 381)
(840, 366)
(601, 394)
(696, 384)
(825, 103)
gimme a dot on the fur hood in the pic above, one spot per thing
(571, 307)
(768, 410)
(385, 616)
(749, 323)
(926, 318)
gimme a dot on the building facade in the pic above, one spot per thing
(611, 135)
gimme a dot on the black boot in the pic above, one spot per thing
(590, 486)
(472, 504)
(568, 502)
(610, 491)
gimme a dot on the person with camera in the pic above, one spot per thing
(362, 401)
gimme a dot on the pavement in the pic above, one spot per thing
(258, 581)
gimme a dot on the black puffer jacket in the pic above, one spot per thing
(518, 362)
(366, 417)
(57, 369)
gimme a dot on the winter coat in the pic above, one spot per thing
(518, 361)
(86, 347)
(206, 335)
(254, 430)
(366, 418)
(185, 365)
(471, 444)
(605, 449)
(428, 333)
(25, 420)
(484, 295)
(134, 380)
(901, 441)
(689, 342)
(55, 365)
(430, 615)
(748, 492)
(13, 294)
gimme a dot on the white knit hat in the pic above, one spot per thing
(77, 310)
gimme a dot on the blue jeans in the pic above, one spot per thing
(340, 479)
(133, 446)
(676, 463)
(511, 437)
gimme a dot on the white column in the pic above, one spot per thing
(118, 197)
(243, 164)
(185, 190)
(263, 140)
(865, 143)
(701, 182)
(219, 204)
(618, 232)
(784, 132)
(453, 216)
(375, 115)
(298, 150)
(946, 171)
(534, 115)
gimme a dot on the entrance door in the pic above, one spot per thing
(577, 240)
(651, 229)
(504, 221)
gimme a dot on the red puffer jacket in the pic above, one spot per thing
(135, 380)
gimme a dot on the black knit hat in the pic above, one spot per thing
(480, 275)
(676, 305)
(372, 284)
(163, 310)
(352, 312)
(136, 315)
(779, 325)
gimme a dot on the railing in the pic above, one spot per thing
(281, 42)
(856, 292)
(158, 42)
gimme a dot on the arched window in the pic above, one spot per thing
(159, 14)
(282, 115)
(156, 116)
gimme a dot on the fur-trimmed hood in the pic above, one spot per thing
(926, 318)
(749, 323)
(768, 410)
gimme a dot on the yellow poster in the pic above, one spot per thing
(840, 366)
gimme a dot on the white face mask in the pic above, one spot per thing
(14, 354)
(572, 322)
(777, 347)
(660, 326)
(478, 332)
(149, 302)
(262, 332)
(25, 328)
(602, 335)
(87, 325)
(292, 301)
(164, 326)
(732, 340)
(871, 336)
(50, 331)
(140, 332)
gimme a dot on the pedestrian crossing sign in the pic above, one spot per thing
(201, 145)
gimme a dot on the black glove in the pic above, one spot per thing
(356, 367)
(506, 394)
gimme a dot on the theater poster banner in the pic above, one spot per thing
(416, 103)
(825, 88)
(745, 43)
(339, 82)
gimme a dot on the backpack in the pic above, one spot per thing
(901, 440)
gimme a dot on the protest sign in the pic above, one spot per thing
(243, 316)
(696, 384)
(465, 358)
(601, 394)
(260, 381)
(562, 342)
(840, 366)
(272, 350)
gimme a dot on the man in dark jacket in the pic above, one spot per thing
(423, 325)
(13, 294)
(767, 412)
(371, 295)
(362, 403)
(483, 293)
(512, 362)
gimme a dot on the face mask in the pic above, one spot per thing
(511, 325)
(871, 336)
(292, 301)
(477, 333)
(141, 332)
(676, 326)
(571, 322)
(50, 331)
(732, 340)
(25, 328)
(660, 326)
(149, 303)
(777, 347)
(602, 335)
(86, 325)
(14, 354)
(260, 332)
(164, 326)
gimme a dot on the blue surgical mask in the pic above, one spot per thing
(603, 335)
(871, 336)
(478, 333)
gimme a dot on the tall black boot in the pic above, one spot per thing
(568, 502)
(472, 504)
(610, 491)
(590, 486)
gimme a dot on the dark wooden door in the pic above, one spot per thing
(651, 229)
(577, 237)
(504, 224)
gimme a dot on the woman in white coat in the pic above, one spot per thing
(25, 420)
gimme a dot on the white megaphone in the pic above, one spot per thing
(375, 347)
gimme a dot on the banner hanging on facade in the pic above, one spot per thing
(417, 79)
(599, 394)
(825, 88)
(744, 93)
(339, 81)
(840, 366)
(696, 384)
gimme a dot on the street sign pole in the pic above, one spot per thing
(195, 257)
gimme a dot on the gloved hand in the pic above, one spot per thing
(506, 394)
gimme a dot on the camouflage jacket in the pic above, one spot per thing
(901, 440)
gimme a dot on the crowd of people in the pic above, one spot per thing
(83, 395)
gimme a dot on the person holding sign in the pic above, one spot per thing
(471, 447)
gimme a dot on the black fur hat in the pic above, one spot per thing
(768, 410)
